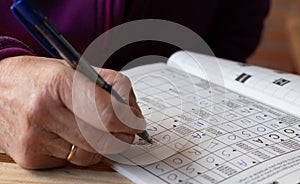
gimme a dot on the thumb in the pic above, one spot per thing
(97, 107)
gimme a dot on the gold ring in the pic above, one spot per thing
(72, 152)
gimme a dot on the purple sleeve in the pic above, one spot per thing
(12, 47)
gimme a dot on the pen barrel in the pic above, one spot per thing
(57, 45)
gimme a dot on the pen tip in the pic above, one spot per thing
(144, 135)
(150, 140)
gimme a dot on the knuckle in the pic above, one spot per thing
(125, 81)
(59, 80)
(90, 160)
(59, 73)
(26, 159)
(124, 78)
(34, 107)
(115, 119)
(24, 153)
(32, 125)
(47, 89)
(33, 114)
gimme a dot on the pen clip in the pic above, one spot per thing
(29, 17)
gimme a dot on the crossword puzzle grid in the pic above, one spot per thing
(219, 134)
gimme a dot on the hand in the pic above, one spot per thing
(37, 121)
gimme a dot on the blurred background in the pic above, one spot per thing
(280, 45)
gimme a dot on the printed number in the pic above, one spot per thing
(289, 131)
(276, 126)
(213, 144)
(274, 136)
(177, 161)
(245, 133)
(246, 121)
(189, 168)
(199, 124)
(230, 125)
(231, 137)
(197, 136)
(213, 119)
(225, 154)
(242, 163)
(245, 111)
(210, 160)
(196, 152)
(231, 115)
(258, 140)
(172, 177)
(167, 138)
(261, 129)
(260, 118)
(203, 102)
(159, 168)
(152, 128)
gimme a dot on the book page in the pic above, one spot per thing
(278, 89)
(207, 134)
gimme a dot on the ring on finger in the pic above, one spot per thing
(72, 152)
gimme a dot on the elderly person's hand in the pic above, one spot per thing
(40, 119)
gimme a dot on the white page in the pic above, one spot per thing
(251, 158)
(259, 86)
(270, 168)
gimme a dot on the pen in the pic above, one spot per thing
(42, 30)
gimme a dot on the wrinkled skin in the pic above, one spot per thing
(37, 119)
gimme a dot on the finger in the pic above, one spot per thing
(122, 85)
(49, 151)
(129, 116)
(57, 147)
(44, 162)
(95, 106)
(133, 102)
(105, 143)
(65, 125)
(85, 136)
(60, 149)
(84, 158)
(113, 143)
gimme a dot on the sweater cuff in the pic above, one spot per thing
(10, 47)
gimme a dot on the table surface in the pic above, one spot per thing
(11, 173)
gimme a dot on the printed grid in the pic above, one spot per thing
(218, 136)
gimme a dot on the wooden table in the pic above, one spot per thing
(11, 173)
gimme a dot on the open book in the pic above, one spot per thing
(214, 121)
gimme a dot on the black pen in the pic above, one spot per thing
(40, 28)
